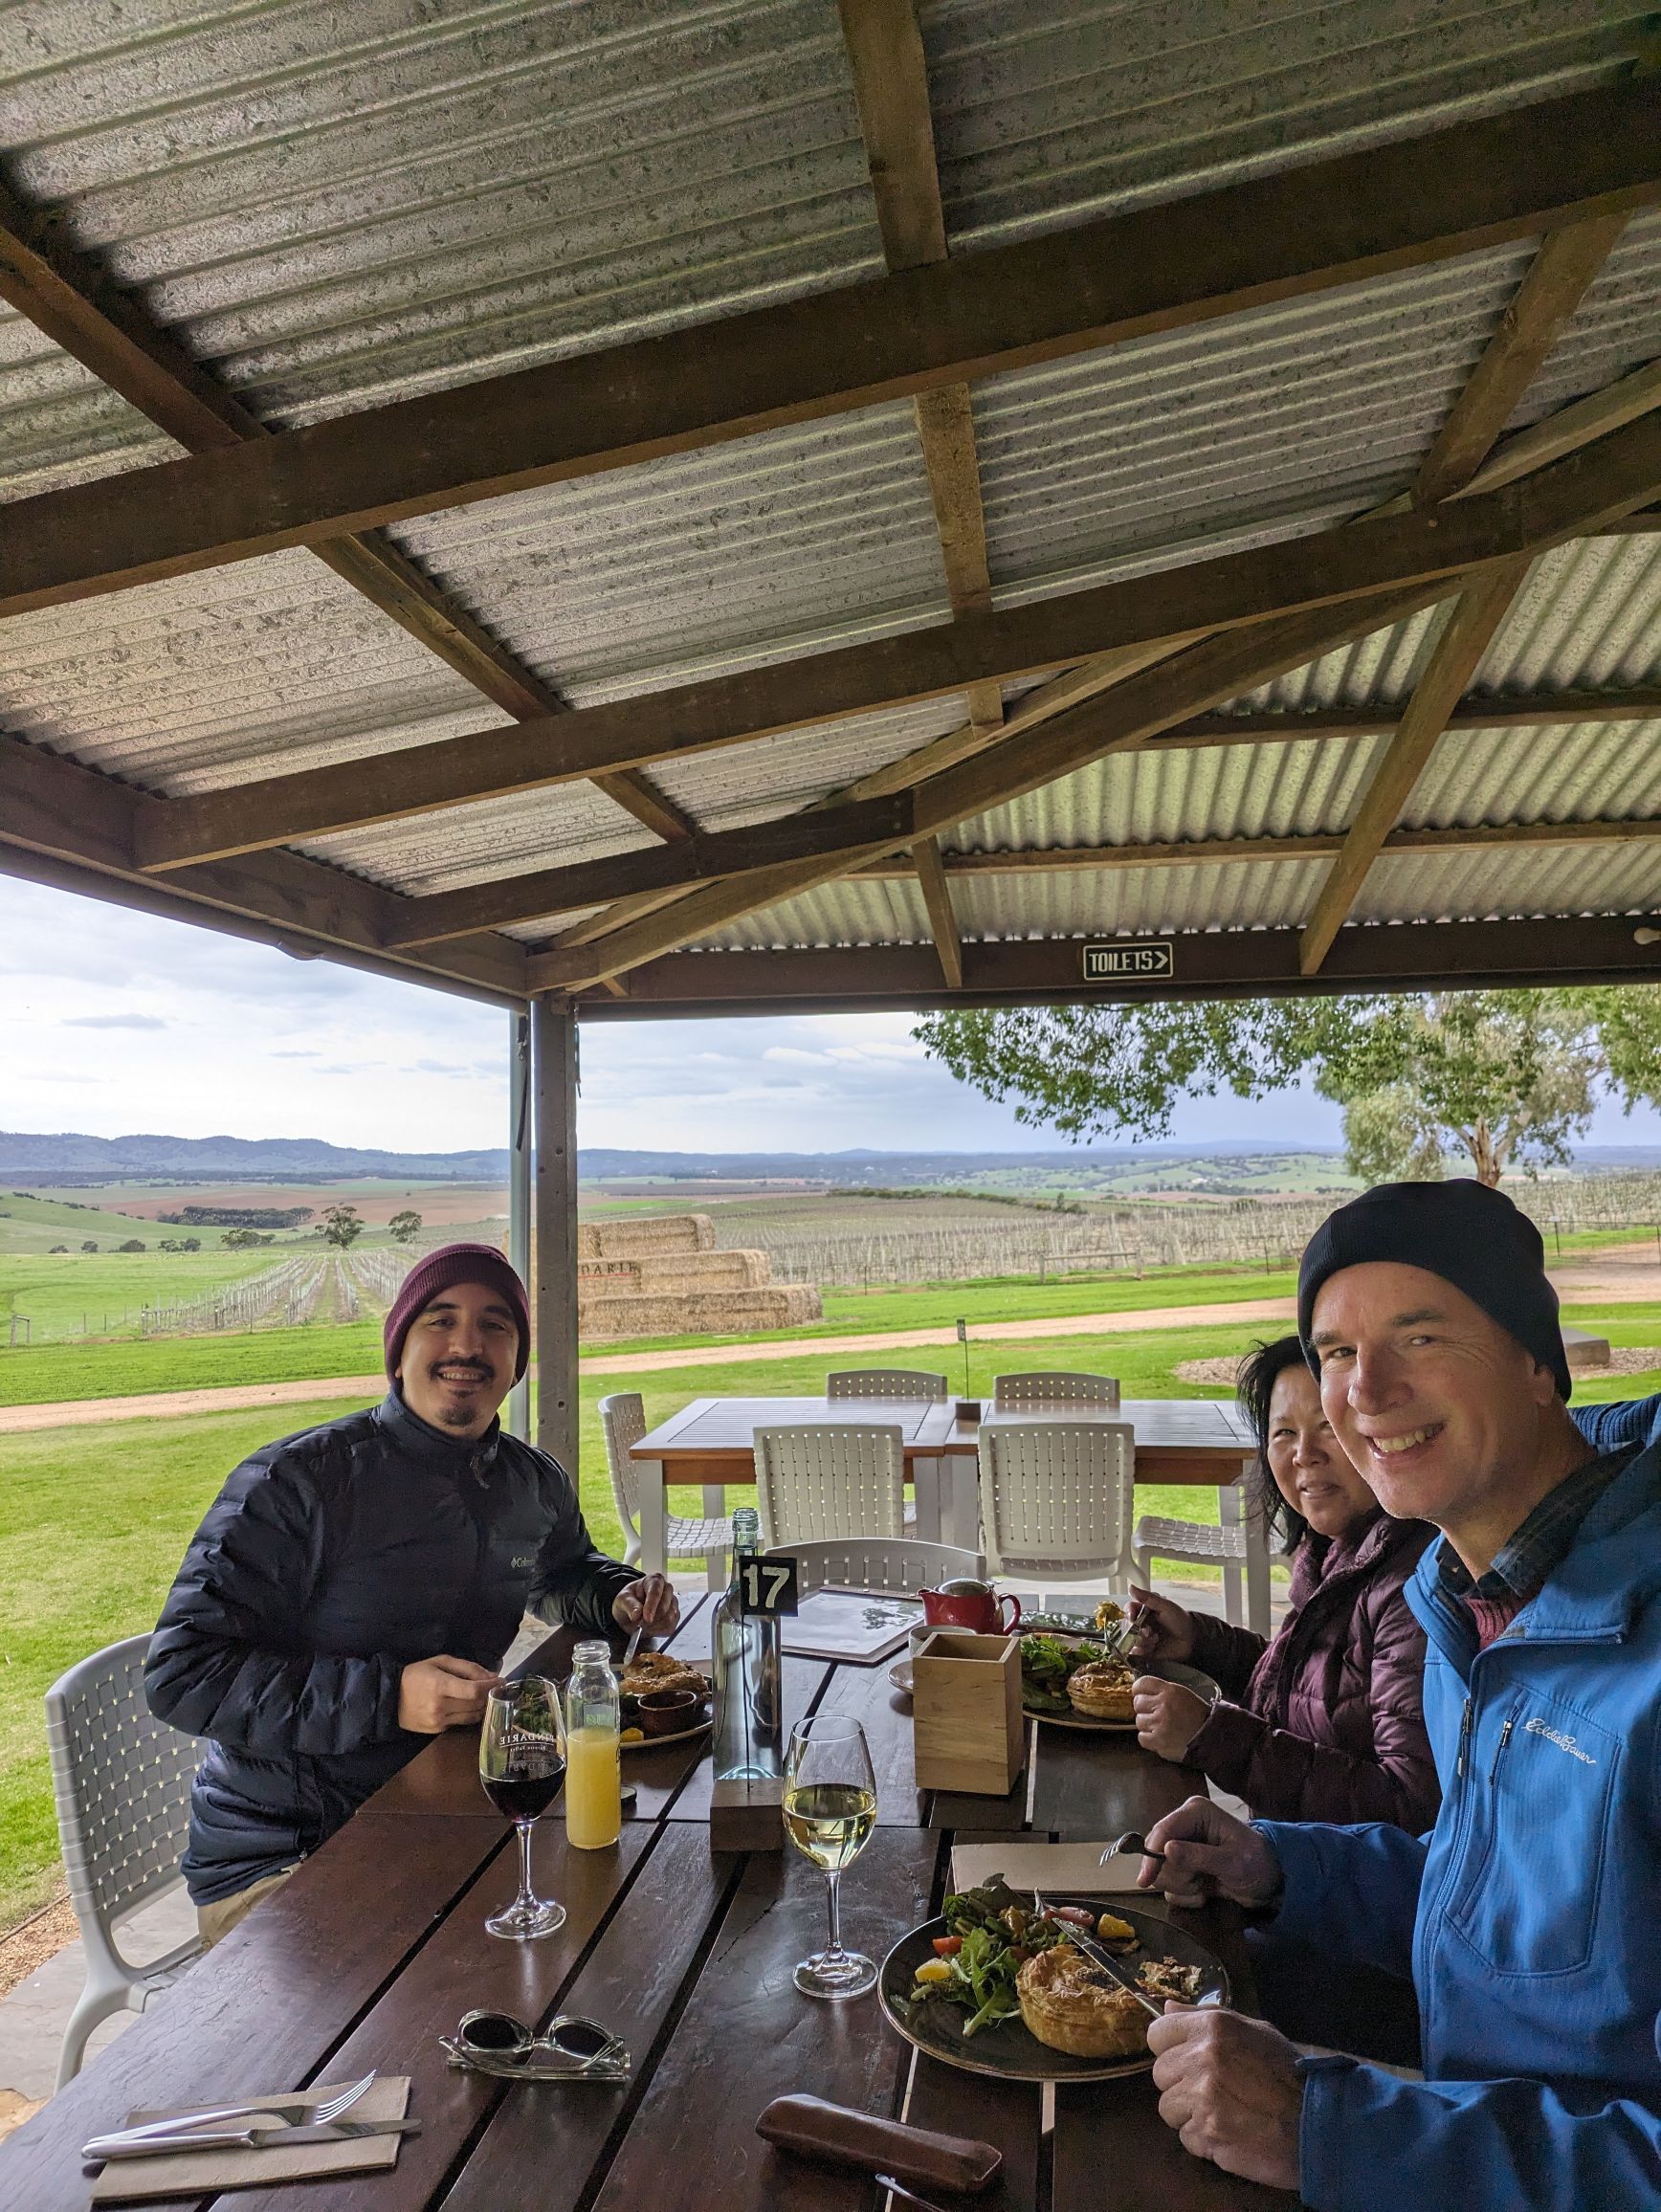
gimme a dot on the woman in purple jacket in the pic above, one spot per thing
(1322, 1723)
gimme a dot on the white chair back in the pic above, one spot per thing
(623, 1424)
(847, 1480)
(1055, 1499)
(884, 1383)
(1060, 1387)
(899, 1563)
(121, 1781)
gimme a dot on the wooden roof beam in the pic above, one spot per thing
(1477, 710)
(1147, 616)
(67, 295)
(1212, 254)
(1477, 614)
(1558, 279)
(936, 899)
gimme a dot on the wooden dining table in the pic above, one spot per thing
(1200, 1443)
(377, 1946)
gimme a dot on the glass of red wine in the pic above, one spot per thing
(521, 1763)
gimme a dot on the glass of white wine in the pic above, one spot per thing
(830, 1811)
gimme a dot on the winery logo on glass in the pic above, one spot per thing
(1141, 959)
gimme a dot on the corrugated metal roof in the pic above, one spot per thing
(474, 844)
(778, 775)
(236, 674)
(858, 911)
(1539, 880)
(1575, 772)
(787, 543)
(59, 425)
(1286, 418)
(336, 206)
(1047, 116)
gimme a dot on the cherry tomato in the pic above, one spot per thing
(947, 1946)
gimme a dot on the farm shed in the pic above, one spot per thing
(623, 508)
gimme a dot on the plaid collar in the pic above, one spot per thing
(1526, 1560)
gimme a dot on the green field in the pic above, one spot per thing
(103, 1293)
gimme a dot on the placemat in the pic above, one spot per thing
(200, 2172)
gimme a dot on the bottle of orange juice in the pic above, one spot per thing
(593, 1776)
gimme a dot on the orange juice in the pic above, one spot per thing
(593, 1788)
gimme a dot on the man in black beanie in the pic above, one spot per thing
(1526, 1917)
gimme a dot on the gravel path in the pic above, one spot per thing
(1626, 1275)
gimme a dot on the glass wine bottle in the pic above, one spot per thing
(744, 1659)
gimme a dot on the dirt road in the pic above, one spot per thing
(1625, 1274)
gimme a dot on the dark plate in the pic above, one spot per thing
(1009, 2050)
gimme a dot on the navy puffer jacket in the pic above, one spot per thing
(328, 1562)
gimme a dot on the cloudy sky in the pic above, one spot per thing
(114, 1024)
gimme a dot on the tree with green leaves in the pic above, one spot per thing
(342, 1224)
(1493, 1080)
(404, 1227)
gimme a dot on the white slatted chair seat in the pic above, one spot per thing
(121, 1781)
(1057, 1386)
(623, 1424)
(1055, 1499)
(897, 1563)
(824, 1480)
(1200, 1544)
(885, 1383)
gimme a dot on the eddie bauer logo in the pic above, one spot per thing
(1563, 1742)
(524, 1559)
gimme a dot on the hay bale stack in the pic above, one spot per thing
(660, 1276)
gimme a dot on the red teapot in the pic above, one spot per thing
(971, 1606)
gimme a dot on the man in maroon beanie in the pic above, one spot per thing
(352, 1589)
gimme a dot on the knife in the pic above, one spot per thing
(1100, 1956)
(112, 2147)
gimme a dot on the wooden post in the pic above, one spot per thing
(517, 1417)
(554, 1291)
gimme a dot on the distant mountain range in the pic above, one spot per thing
(70, 1158)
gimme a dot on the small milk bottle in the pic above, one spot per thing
(593, 1781)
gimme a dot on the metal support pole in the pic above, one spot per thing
(518, 1415)
(554, 1291)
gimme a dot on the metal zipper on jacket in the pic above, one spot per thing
(1499, 1748)
(1464, 1737)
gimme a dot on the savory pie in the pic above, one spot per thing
(649, 1670)
(1074, 2007)
(1101, 1691)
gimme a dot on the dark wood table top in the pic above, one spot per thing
(1199, 1440)
(377, 1947)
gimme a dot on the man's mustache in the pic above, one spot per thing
(472, 1367)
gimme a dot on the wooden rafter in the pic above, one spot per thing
(1477, 614)
(66, 295)
(1236, 851)
(1212, 254)
(1212, 964)
(1149, 615)
(62, 812)
(936, 899)
(1217, 668)
(1498, 711)
(1558, 279)
(890, 91)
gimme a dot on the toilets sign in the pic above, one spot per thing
(1145, 960)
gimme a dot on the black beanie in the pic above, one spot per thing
(1473, 1237)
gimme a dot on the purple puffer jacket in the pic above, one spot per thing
(1325, 1722)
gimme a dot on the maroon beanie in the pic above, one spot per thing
(442, 1270)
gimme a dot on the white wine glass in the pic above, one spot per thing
(830, 1811)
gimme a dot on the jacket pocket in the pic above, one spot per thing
(1540, 1790)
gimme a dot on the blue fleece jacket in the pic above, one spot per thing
(1527, 1916)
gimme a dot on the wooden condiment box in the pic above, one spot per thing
(970, 1733)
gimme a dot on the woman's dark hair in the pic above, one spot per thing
(1254, 1389)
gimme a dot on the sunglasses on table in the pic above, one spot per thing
(569, 2049)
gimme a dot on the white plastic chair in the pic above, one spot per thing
(1058, 1387)
(1055, 1499)
(885, 1383)
(1200, 1545)
(121, 1780)
(623, 1422)
(820, 1481)
(897, 1563)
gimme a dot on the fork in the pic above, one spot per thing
(293, 2112)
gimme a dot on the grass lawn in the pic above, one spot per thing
(104, 1293)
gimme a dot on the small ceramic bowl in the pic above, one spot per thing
(668, 1712)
